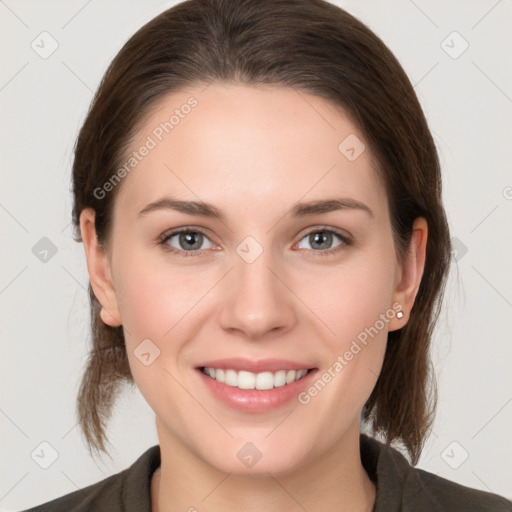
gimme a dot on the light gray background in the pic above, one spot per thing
(44, 307)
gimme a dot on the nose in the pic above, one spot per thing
(257, 300)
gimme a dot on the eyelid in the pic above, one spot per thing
(176, 231)
(170, 233)
(346, 239)
(319, 227)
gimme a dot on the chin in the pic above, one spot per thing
(258, 458)
(260, 469)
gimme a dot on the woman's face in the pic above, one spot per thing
(271, 285)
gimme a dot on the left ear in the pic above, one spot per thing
(409, 277)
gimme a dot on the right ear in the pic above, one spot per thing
(98, 265)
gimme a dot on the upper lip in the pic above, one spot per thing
(249, 365)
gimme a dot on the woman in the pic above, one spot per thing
(259, 198)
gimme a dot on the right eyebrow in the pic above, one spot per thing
(190, 207)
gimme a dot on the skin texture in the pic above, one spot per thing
(253, 152)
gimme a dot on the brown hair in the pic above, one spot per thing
(316, 47)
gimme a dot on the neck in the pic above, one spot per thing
(337, 481)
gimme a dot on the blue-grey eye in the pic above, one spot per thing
(188, 240)
(321, 240)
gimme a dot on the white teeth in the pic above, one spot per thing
(249, 380)
(265, 380)
(290, 376)
(279, 378)
(230, 377)
(246, 380)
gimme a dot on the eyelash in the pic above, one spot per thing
(346, 242)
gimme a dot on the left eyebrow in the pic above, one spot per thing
(203, 209)
(329, 205)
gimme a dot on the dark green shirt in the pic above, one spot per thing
(400, 487)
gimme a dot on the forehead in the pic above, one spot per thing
(239, 146)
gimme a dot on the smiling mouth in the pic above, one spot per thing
(260, 381)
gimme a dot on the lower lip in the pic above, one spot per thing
(255, 400)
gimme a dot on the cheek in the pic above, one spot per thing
(355, 303)
(155, 304)
(155, 297)
(352, 298)
(158, 302)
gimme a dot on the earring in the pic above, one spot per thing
(400, 314)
